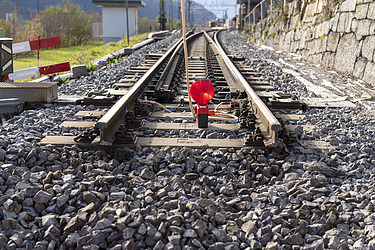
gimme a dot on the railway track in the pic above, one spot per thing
(187, 197)
(256, 109)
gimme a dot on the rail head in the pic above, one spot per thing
(111, 121)
(271, 125)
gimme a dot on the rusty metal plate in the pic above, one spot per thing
(316, 144)
(186, 126)
(123, 85)
(325, 103)
(305, 127)
(90, 114)
(290, 117)
(189, 142)
(140, 68)
(172, 115)
(117, 92)
(267, 94)
(136, 71)
(124, 80)
(58, 140)
(261, 87)
(256, 78)
(77, 124)
(257, 82)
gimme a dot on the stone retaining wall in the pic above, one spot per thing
(339, 35)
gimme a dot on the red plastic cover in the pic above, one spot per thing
(202, 91)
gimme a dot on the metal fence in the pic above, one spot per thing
(262, 9)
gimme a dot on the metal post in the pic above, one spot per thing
(189, 12)
(162, 19)
(179, 12)
(172, 14)
(127, 21)
(240, 15)
(261, 11)
(169, 15)
(38, 55)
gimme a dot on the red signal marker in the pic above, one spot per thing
(202, 91)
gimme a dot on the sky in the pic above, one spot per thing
(218, 7)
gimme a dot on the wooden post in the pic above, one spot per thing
(261, 11)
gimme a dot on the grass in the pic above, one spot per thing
(76, 55)
(50, 56)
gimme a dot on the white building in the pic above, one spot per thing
(114, 18)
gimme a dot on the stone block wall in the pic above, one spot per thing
(337, 34)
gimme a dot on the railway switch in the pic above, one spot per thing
(202, 91)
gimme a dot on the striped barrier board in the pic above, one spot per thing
(44, 70)
(23, 73)
(54, 68)
(36, 44)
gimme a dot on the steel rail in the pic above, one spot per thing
(170, 64)
(109, 124)
(271, 125)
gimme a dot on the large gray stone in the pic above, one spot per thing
(317, 58)
(361, 11)
(334, 22)
(79, 70)
(289, 37)
(372, 28)
(309, 12)
(62, 200)
(371, 11)
(73, 224)
(345, 22)
(360, 66)
(328, 59)
(369, 74)
(363, 28)
(355, 27)
(333, 41)
(368, 47)
(48, 220)
(348, 6)
(42, 197)
(347, 53)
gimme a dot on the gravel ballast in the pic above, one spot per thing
(181, 198)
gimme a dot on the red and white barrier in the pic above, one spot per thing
(36, 44)
(44, 70)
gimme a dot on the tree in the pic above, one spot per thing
(31, 29)
(6, 6)
(68, 21)
(8, 22)
(146, 25)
